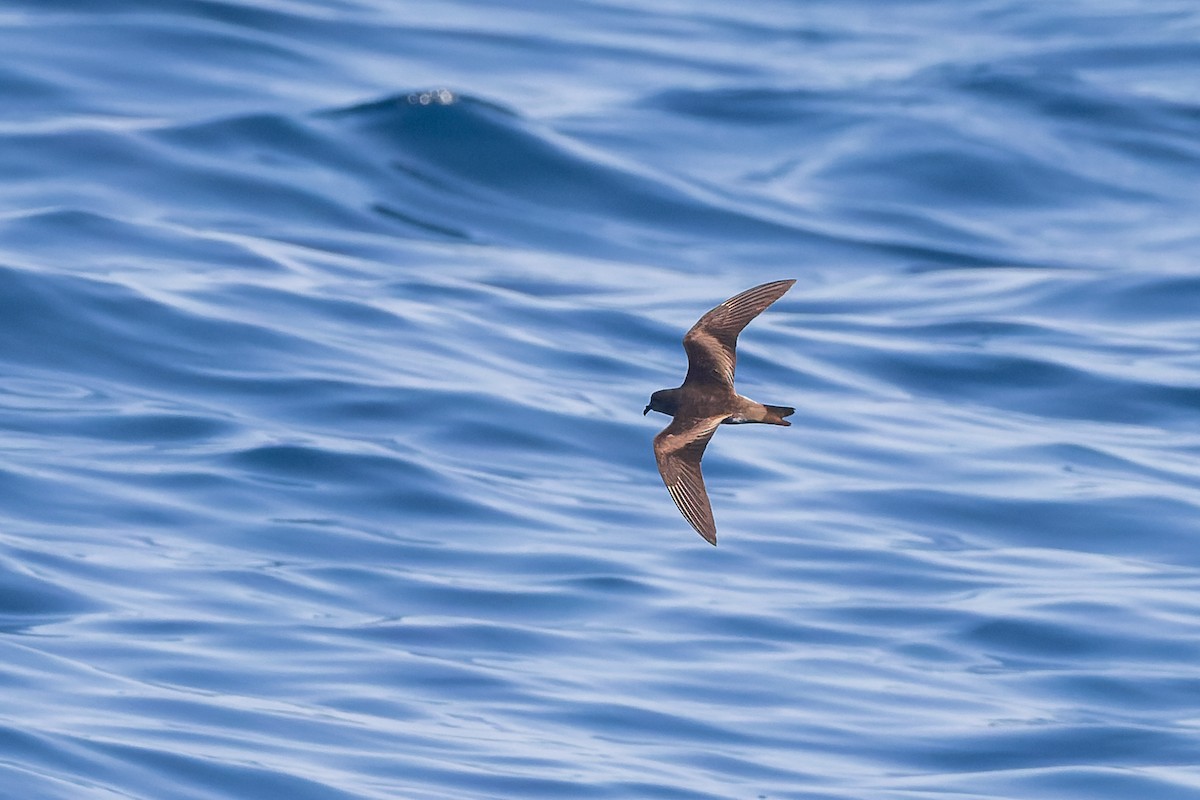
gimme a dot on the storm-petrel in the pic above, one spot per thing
(707, 399)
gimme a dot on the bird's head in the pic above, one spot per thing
(664, 401)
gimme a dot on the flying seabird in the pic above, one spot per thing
(707, 399)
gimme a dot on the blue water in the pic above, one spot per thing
(325, 331)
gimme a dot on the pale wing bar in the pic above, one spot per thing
(711, 343)
(678, 453)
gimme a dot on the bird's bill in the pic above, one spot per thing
(645, 411)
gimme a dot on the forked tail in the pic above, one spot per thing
(775, 414)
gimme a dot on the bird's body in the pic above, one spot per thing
(707, 399)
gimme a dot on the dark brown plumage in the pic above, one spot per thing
(707, 399)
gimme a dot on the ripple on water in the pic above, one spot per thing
(322, 467)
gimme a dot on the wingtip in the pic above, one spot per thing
(711, 538)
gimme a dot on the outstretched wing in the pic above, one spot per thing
(711, 343)
(678, 450)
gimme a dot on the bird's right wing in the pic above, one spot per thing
(711, 344)
(678, 450)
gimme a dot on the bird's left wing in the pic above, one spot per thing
(678, 450)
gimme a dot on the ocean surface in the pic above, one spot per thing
(325, 332)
